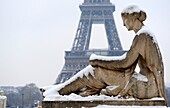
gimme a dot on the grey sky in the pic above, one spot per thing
(35, 33)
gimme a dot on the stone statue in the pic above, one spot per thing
(3, 99)
(118, 77)
(144, 52)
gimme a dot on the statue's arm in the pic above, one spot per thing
(131, 57)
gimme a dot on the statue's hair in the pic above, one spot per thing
(134, 11)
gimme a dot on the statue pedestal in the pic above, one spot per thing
(79, 104)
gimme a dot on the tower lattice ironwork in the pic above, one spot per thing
(92, 12)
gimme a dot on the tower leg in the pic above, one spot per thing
(112, 35)
(81, 42)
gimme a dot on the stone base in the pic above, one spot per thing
(79, 104)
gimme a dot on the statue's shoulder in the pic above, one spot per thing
(144, 32)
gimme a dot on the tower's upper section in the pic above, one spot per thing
(96, 2)
(96, 12)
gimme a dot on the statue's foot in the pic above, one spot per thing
(103, 91)
(110, 91)
(84, 94)
(89, 92)
(106, 92)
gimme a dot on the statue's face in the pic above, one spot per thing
(129, 22)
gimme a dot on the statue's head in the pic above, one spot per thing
(133, 17)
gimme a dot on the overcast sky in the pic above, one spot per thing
(35, 33)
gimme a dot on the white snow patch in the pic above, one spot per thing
(132, 9)
(75, 97)
(3, 98)
(52, 91)
(107, 58)
(86, 71)
(47, 87)
(112, 87)
(157, 98)
(140, 77)
(145, 29)
(137, 69)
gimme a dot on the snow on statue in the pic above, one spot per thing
(115, 76)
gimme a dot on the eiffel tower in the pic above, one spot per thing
(92, 12)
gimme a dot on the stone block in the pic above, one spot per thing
(79, 104)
